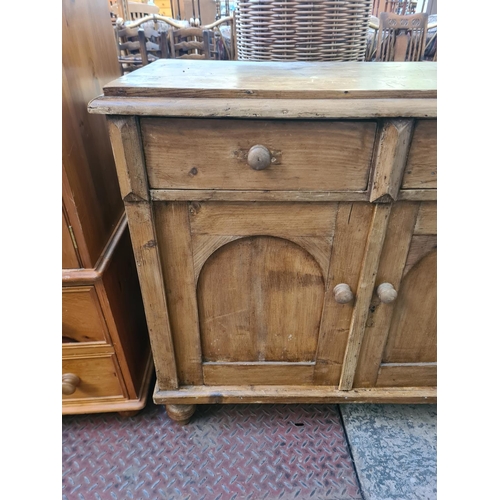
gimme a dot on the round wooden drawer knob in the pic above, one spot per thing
(386, 293)
(259, 157)
(70, 382)
(343, 293)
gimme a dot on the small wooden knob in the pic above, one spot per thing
(259, 157)
(386, 293)
(343, 293)
(70, 382)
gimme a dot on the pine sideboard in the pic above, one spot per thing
(283, 220)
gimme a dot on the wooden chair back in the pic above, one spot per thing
(138, 46)
(401, 38)
(136, 10)
(192, 43)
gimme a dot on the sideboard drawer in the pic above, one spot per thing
(97, 377)
(213, 154)
(421, 167)
(82, 317)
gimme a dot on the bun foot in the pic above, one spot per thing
(180, 413)
(126, 414)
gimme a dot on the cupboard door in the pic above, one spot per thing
(250, 288)
(400, 342)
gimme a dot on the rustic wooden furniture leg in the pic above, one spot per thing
(180, 413)
(128, 414)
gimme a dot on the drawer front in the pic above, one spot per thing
(421, 167)
(98, 377)
(82, 317)
(212, 154)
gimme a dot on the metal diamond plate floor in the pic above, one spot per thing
(226, 452)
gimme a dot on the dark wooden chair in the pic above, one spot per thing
(401, 38)
(134, 10)
(192, 43)
(139, 46)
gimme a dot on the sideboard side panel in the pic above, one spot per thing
(176, 253)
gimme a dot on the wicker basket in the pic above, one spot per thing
(302, 30)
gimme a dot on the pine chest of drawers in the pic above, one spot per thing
(283, 218)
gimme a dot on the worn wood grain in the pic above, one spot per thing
(317, 109)
(127, 149)
(392, 262)
(407, 375)
(350, 236)
(420, 246)
(205, 245)
(211, 154)
(417, 195)
(282, 80)
(427, 218)
(390, 159)
(421, 168)
(238, 195)
(413, 333)
(293, 394)
(176, 255)
(363, 294)
(272, 219)
(258, 373)
(260, 299)
(149, 269)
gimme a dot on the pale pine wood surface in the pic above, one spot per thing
(249, 253)
(421, 167)
(406, 375)
(260, 373)
(147, 259)
(420, 246)
(427, 218)
(390, 159)
(401, 335)
(260, 299)
(175, 243)
(390, 270)
(363, 294)
(292, 393)
(317, 109)
(413, 333)
(351, 232)
(272, 219)
(200, 154)
(298, 80)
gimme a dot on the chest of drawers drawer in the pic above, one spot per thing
(82, 317)
(296, 155)
(91, 377)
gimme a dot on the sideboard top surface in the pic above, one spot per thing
(177, 78)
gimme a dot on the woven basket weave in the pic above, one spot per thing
(302, 30)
